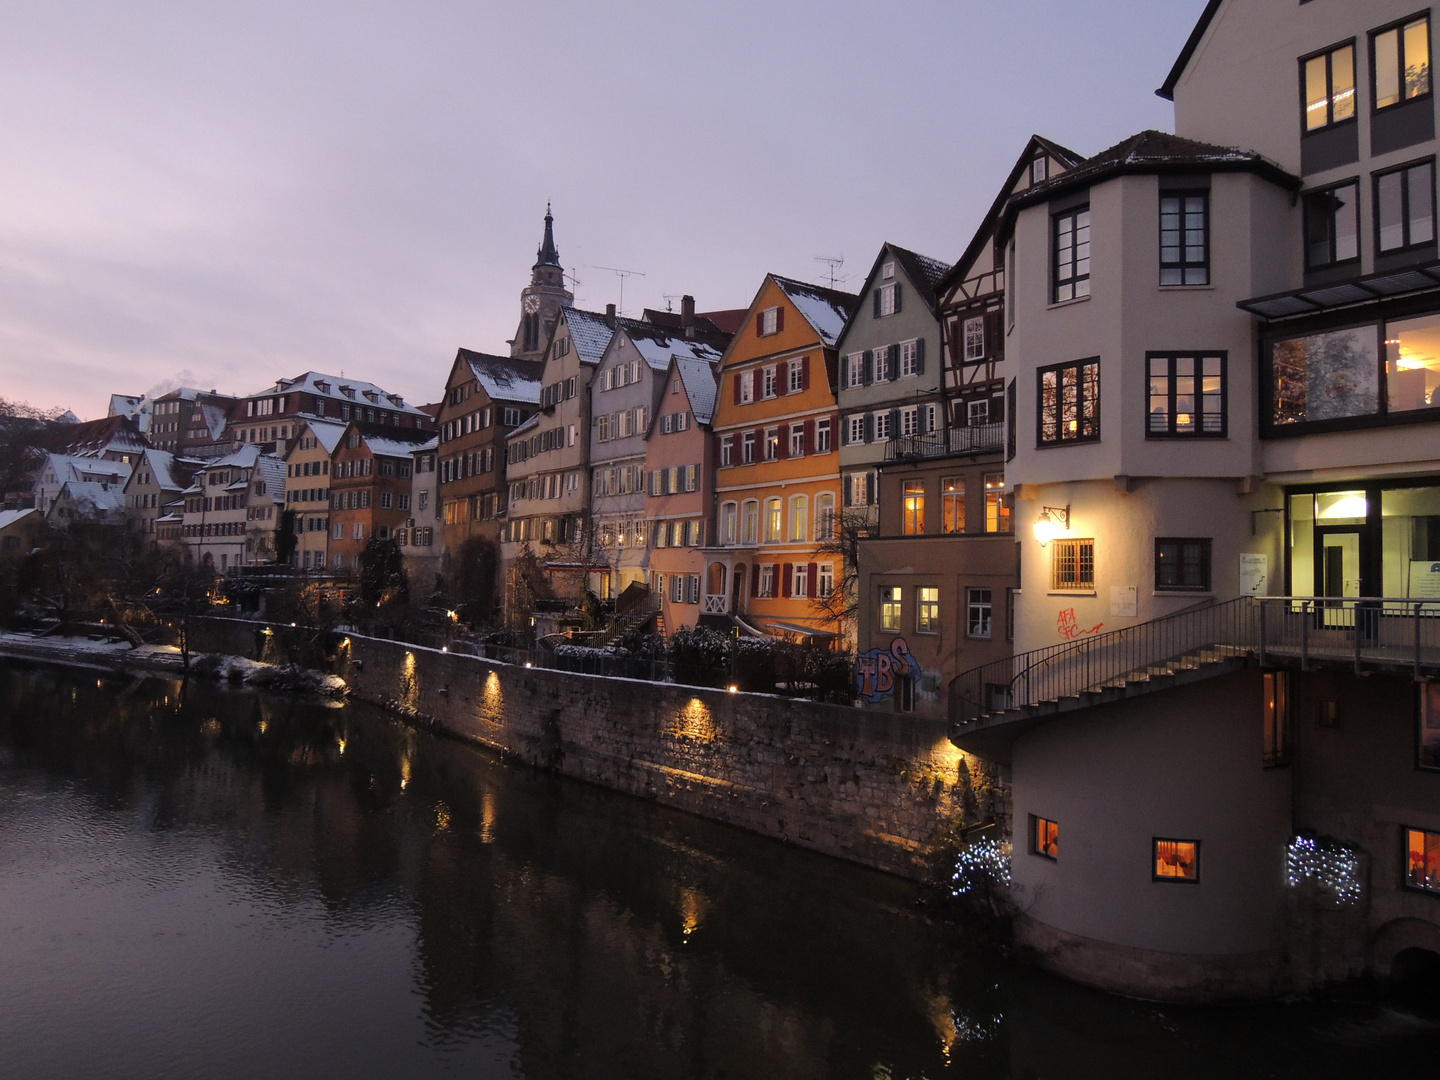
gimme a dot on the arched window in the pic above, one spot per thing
(774, 526)
(799, 517)
(824, 517)
(750, 524)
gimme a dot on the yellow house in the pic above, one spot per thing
(777, 477)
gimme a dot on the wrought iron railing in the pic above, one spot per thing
(1369, 633)
(978, 439)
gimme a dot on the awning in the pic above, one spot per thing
(1368, 290)
(807, 631)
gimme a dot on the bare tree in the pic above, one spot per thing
(843, 603)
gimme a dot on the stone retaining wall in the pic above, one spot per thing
(886, 790)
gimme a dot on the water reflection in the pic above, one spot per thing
(204, 882)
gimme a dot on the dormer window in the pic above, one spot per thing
(348, 391)
(323, 387)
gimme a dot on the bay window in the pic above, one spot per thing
(1069, 405)
(1186, 395)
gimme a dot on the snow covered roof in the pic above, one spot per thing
(215, 416)
(657, 345)
(271, 469)
(244, 458)
(10, 517)
(93, 501)
(826, 310)
(162, 466)
(183, 393)
(334, 388)
(589, 331)
(432, 443)
(533, 422)
(505, 378)
(327, 435)
(700, 385)
(395, 443)
(80, 467)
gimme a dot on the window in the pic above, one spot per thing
(909, 358)
(887, 300)
(1187, 396)
(772, 444)
(887, 271)
(773, 525)
(1329, 87)
(1422, 860)
(747, 448)
(1044, 837)
(1072, 565)
(1069, 409)
(997, 504)
(728, 523)
(855, 364)
(822, 436)
(1401, 62)
(859, 487)
(1328, 376)
(768, 381)
(1071, 247)
(914, 507)
(1176, 860)
(765, 580)
(825, 581)
(745, 387)
(979, 613)
(799, 517)
(881, 421)
(856, 428)
(797, 440)
(1182, 565)
(795, 381)
(975, 339)
(1185, 239)
(799, 579)
(1429, 725)
(890, 607)
(727, 450)
(1277, 709)
(1405, 207)
(909, 421)
(825, 517)
(1332, 226)
(692, 477)
(952, 505)
(750, 522)
(770, 322)
(927, 609)
(977, 412)
(881, 364)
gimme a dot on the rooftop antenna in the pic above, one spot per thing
(670, 299)
(573, 279)
(622, 275)
(834, 262)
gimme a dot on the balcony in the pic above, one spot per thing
(978, 439)
(717, 605)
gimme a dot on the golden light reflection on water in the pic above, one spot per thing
(405, 772)
(693, 909)
(442, 817)
(487, 818)
(409, 691)
(492, 701)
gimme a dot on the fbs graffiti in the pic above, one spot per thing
(875, 671)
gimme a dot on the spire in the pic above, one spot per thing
(547, 255)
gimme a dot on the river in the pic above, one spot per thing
(209, 882)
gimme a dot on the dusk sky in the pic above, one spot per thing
(218, 195)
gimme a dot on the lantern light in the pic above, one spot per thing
(1046, 525)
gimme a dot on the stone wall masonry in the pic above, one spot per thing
(886, 790)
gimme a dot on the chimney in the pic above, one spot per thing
(610, 316)
(687, 311)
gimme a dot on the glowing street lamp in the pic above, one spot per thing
(1047, 527)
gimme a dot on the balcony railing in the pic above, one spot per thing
(979, 439)
(1373, 634)
(717, 605)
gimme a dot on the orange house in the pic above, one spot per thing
(777, 476)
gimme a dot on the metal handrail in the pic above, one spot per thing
(1368, 632)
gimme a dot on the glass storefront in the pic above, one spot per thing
(1378, 540)
(1412, 363)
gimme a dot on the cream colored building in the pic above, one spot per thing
(307, 492)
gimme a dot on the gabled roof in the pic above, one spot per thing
(505, 378)
(923, 272)
(92, 500)
(271, 469)
(114, 433)
(79, 466)
(1151, 152)
(162, 466)
(243, 458)
(700, 386)
(590, 332)
(1167, 89)
(960, 271)
(344, 391)
(391, 442)
(432, 443)
(657, 345)
(10, 517)
(706, 323)
(326, 433)
(826, 310)
(532, 422)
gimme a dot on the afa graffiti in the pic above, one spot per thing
(875, 670)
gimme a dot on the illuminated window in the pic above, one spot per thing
(979, 613)
(774, 525)
(729, 520)
(799, 517)
(750, 522)
(1277, 718)
(914, 503)
(1402, 62)
(997, 504)
(1329, 87)
(1069, 405)
(890, 607)
(1187, 396)
(1072, 565)
(1044, 837)
(772, 444)
(952, 504)
(927, 610)
(1176, 860)
(1422, 860)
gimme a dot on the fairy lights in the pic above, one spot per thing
(1331, 865)
(981, 865)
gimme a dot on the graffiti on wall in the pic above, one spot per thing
(875, 670)
(1069, 627)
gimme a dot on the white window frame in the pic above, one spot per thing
(795, 375)
(855, 363)
(770, 380)
(856, 424)
(887, 297)
(882, 425)
(909, 421)
(909, 354)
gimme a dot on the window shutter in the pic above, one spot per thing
(894, 423)
(755, 579)
(845, 492)
(779, 318)
(995, 335)
(870, 488)
(868, 364)
(787, 572)
(805, 373)
(920, 356)
(844, 431)
(760, 323)
(812, 573)
(782, 437)
(869, 427)
(896, 287)
(875, 297)
(738, 377)
(844, 373)
(808, 443)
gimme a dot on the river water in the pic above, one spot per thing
(205, 882)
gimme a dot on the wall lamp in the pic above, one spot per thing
(1051, 520)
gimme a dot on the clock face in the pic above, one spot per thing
(532, 303)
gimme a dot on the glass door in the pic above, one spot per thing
(1337, 573)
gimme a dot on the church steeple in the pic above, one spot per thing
(548, 255)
